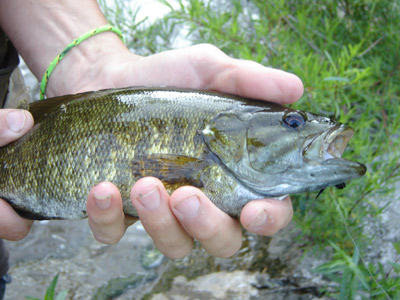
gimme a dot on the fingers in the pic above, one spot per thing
(106, 217)
(152, 204)
(243, 77)
(14, 123)
(219, 234)
(253, 80)
(267, 216)
(174, 221)
(12, 226)
(206, 67)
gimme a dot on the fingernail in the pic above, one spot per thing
(151, 200)
(16, 120)
(189, 207)
(260, 219)
(102, 201)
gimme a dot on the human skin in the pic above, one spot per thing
(41, 29)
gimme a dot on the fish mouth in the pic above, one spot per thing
(325, 151)
(336, 142)
(328, 145)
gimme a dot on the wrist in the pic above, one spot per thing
(87, 65)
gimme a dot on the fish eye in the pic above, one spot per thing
(294, 120)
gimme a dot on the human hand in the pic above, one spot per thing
(13, 124)
(173, 221)
(104, 62)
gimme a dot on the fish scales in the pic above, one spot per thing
(180, 136)
(104, 135)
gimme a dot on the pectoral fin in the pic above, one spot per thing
(173, 170)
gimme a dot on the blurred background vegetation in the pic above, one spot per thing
(347, 53)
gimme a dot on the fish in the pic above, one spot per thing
(233, 148)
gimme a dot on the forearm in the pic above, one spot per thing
(41, 29)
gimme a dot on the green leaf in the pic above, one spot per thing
(396, 246)
(51, 289)
(335, 78)
(395, 266)
(62, 295)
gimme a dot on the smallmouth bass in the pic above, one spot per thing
(234, 149)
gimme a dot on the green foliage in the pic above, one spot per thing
(50, 292)
(354, 276)
(348, 55)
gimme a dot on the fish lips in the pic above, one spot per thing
(345, 168)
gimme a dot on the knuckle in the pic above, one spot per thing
(203, 52)
(210, 48)
(106, 219)
(179, 252)
(107, 234)
(159, 225)
(207, 233)
(227, 252)
(224, 246)
(273, 226)
(205, 47)
(108, 240)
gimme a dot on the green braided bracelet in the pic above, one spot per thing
(54, 63)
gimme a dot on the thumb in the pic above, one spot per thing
(14, 123)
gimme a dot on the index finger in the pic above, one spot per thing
(253, 80)
(246, 78)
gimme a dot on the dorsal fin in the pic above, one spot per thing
(41, 108)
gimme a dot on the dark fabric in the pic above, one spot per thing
(8, 62)
(3, 259)
(3, 281)
(2, 289)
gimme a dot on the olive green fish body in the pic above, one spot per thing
(213, 141)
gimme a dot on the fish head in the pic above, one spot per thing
(276, 151)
